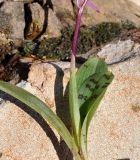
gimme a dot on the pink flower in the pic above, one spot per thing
(81, 5)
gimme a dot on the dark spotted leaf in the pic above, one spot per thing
(88, 77)
(94, 91)
(74, 107)
(93, 79)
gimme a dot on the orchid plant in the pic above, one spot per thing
(87, 87)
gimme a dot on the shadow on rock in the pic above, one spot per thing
(62, 110)
(28, 18)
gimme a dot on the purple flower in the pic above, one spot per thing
(81, 5)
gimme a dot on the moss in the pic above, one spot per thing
(57, 47)
(89, 37)
(86, 39)
(105, 32)
(127, 24)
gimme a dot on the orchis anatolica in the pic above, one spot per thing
(73, 94)
(87, 87)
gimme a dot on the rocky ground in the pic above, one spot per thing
(15, 54)
(55, 15)
(114, 131)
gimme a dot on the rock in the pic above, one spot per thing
(53, 73)
(3, 39)
(64, 12)
(54, 25)
(136, 1)
(55, 15)
(119, 51)
(124, 10)
(45, 17)
(62, 15)
(113, 133)
(12, 19)
(112, 11)
(30, 137)
(114, 52)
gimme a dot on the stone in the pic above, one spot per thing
(112, 11)
(53, 73)
(119, 51)
(114, 130)
(136, 1)
(123, 10)
(30, 137)
(53, 25)
(37, 14)
(12, 19)
(58, 16)
(63, 14)
(114, 52)
(3, 39)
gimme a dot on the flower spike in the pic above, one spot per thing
(81, 5)
(90, 4)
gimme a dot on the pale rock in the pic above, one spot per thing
(26, 135)
(112, 11)
(53, 25)
(63, 14)
(38, 15)
(136, 1)
(12, 19)
(64, 11)
(119, 51)
(113, 133)
(52, 73)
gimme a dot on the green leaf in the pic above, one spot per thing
(74, 107)
(87, 77)
(86, 89)
(89, 68)
(95, 90)
(88, 110)
(86, 123)
(92, 79)
(41, 108)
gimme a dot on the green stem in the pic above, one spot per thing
(72, 67)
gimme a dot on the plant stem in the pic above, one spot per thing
(77, 28)
(73, 102)
(76, 33)
(77, 155)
